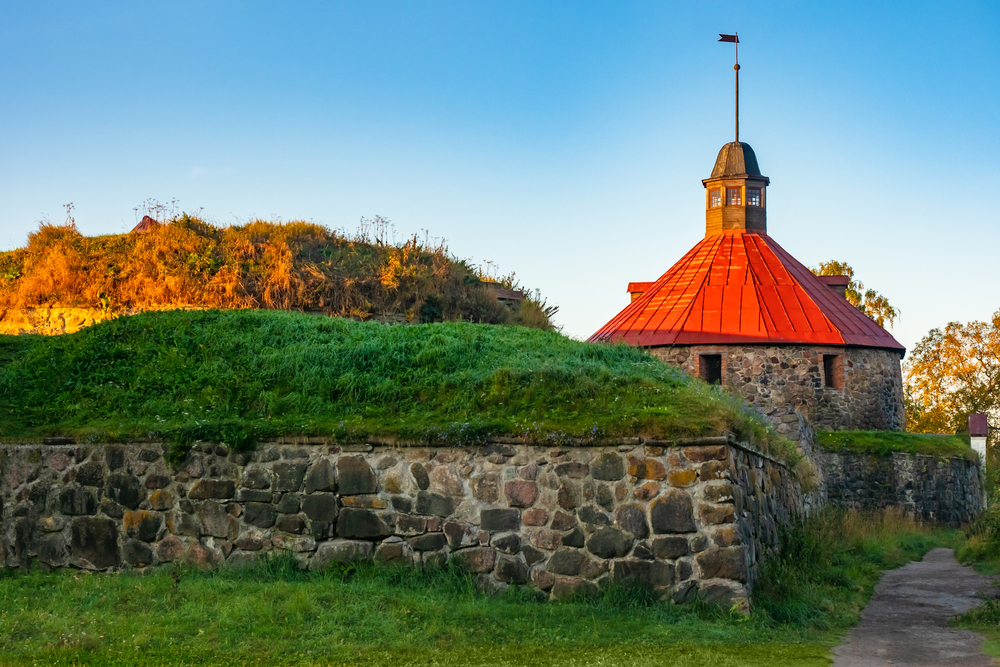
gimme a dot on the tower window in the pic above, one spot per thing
(710, 368)
(833, 371)
(714, 198)
(734, 197)
(753, 196)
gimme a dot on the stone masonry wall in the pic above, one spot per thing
(685, 519)
(930, 488)
(786, 381)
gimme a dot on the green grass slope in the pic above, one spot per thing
(241, 376)
(883, 443)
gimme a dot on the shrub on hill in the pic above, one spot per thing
(280, 266)
(240, 376)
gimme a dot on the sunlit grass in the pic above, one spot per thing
(883, 443)
(244, 376)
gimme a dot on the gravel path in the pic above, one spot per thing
(906, 621)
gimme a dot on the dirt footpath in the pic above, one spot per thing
(906, 621)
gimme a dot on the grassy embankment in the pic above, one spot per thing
(281, 266)
(884, 443)
(275, 615)
(244, 376)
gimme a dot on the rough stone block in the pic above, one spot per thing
(137, 554)
(673, 512)
(713, 515)
(288, 475)
(256, 477)
(683, 477)
(161, 499)
(476, 559)
(182, 523)
(647, 491)
(203, 489)
(521, 493)
(632, 518)
(656, 575)
(609, 543)
(445, 479)
(511, 570)
(573, 588)
(428, 542)
(508, 544)
(361, 524)
(94, 543)
(573, 470)
(594, 516)
(343, 552)
(643, 468)
(320, 506)
(567, 561)
(534, 517)
(564, 521)
(495, 520)
(670, 547)
(90, 473)
(169, 549)
(434, 504)
(125, 489)
(142, 525)
(707, 453)
(392, 552)
(322, 476)
(574, 538)
(486, 488)
(77, 501)
(156, 481)
(261, 515)
(213, 519)
(202, 556)
(290, 523)
(355, 476)
(420, 476)
(723, 563)
(608, 467)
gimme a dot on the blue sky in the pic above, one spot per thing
(564, 141)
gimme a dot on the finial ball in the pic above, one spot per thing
(736, 67)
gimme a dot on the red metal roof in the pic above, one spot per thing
(741, 287)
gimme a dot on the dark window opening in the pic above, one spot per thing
(832, 371)
(711, 368)
(753, 196)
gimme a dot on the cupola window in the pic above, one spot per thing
(734, 196)
(753, 196)
(715, 198)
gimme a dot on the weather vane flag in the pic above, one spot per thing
(735, 40)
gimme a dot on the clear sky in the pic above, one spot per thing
(564, 141)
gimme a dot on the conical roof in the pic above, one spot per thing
(735, 159)
(742, 287)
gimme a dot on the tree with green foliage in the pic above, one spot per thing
(868, 301)
(951, 373)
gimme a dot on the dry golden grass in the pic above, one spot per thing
(280, 266)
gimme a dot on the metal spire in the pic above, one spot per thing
(735, 39)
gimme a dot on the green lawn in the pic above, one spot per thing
(369, 615)
(883, 443)
(242, 376)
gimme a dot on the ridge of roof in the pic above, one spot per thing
(742, 287)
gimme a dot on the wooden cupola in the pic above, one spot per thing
(735, 198)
